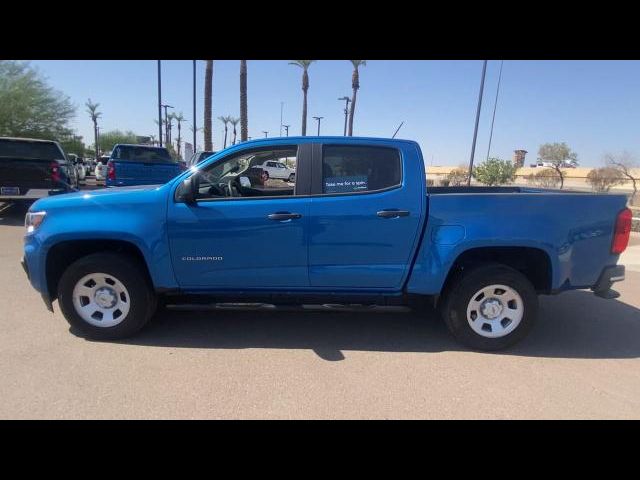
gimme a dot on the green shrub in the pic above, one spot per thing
(495, 172)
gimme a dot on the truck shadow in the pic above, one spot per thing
(573, 325)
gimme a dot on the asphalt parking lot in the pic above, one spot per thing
(582, 360)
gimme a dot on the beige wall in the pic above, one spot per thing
(575, 178)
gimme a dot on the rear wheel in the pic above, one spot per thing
(292, 178)
(490, 307)
(106, 296)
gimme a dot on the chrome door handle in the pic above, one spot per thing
(393, 213)
(280, 216)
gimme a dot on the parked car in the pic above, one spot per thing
(101, 169)
(90, 164)
(31, 168)
(198, 157)
(141, 165)
(78, 163)
(278, 170)
(359, 227)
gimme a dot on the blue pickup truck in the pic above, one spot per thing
(359, 226)
(140, 165)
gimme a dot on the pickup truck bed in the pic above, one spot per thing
(360, 226)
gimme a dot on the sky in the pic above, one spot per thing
(593, 106)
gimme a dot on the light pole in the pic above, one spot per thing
(266, 133)
(159, 104)
(286, 129)
(281, 109)
(346, 112)
(318, 119)
(195, 125)
(475, 130)
(495, 105)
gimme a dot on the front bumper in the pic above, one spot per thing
(45, 297)
(608, 277)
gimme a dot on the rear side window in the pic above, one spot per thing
(141, 154)
(348, 169)
(39, 150)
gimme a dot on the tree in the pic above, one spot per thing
(179, 118)
(244, 121)
(73, 144)
(108, 140)
(625, 163)
(355, 85)
(29, 107)
(458, 176)
(495, 172)
(304, 65)
(170, 118)
(558, 154)
(92, 110)
(234, 122)
(545, 178)
(226, 121)
(602, 179)
(208, 99)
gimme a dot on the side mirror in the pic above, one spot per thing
(187, 193)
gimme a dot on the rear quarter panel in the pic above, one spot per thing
(574, 229)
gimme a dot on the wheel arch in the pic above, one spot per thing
(62, 254)
(533, 262)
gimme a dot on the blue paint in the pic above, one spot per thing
(339, 244)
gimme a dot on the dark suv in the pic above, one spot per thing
(32, 168)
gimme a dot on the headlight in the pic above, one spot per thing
(33, 220)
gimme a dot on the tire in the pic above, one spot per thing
(124, 284)
(496, 318)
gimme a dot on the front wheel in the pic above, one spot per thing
(106, 296)
(490, 307)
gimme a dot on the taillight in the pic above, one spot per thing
(111, 171)
(622, 231)
(55, 171)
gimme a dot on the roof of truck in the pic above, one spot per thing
(28, 139)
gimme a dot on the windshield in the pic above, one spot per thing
(134, 153)
(40, 150)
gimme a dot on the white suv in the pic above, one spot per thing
(278, 170)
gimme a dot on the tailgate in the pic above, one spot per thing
(25, 173)
(144, 173)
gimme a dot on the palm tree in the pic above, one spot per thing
(244, 121)
(355, 84)
(179, 119)
(234, 121)
(226, 121)
(208, 87)
(170, 119)
(304, 65)
(92, 110)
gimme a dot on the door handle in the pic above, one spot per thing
(280, 216)
(393, 213)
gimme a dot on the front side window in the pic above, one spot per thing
(243, 175)
(352, 169)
